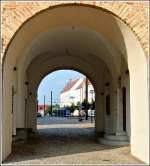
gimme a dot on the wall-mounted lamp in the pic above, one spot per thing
(107, 84)
(102, 93)
(27, 83)
(127, 72)
(15, 68)
(119, 78)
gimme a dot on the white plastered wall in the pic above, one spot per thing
(134, 56)
(59, 62)
(109, 123)
(0, 111)
(138, 68)
(125, 83)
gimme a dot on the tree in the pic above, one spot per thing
(92, 105)
(85, 105)
(50, 110)
(78, 105)
(56, 106)
(72, 108)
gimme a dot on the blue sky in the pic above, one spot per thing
(55, 81)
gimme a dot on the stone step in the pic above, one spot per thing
(116, 137)
(112, 142)
(20, 136)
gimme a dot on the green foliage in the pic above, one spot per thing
(67, 107)
(49, 110)
(85, 105)
(56, 107)
(72, 108)
(92, 105)
(78, 105)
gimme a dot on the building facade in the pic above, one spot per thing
(41, 109)
(75, 91)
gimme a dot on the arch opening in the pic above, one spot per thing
(69, 95)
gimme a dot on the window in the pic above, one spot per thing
(108, 104)
(124, 108)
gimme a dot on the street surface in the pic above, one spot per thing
(67, 141)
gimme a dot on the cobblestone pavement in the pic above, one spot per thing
(67, 141)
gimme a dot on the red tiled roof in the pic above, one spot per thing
(41, 107)
(81, 85)
(69, 85)
(89, 83)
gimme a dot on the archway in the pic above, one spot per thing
(63, 93)
(75, 85)
(79, 41)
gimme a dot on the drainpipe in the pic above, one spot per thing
(86, 97)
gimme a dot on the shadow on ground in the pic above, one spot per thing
(67, 143)
(56, 142)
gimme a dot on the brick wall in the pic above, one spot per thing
(134, 14)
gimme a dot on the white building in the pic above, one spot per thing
(74, 92)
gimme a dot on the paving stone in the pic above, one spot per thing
(68, 141)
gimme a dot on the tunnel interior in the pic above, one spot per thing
(91, 41)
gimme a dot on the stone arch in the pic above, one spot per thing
(134, 14)
(89, 77)
(50, 65)
(123, 43)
